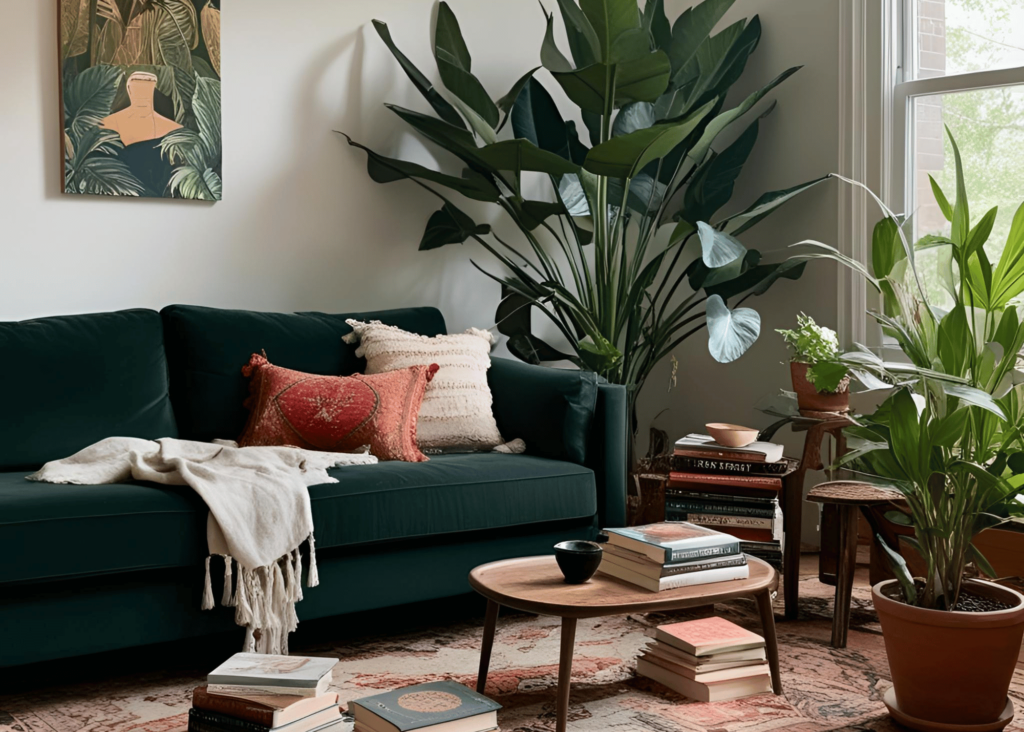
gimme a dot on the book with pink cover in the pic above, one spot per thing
(705, 636)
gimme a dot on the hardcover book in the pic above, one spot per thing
(679, 488)
(203, 720)
(768, 452)
(719, 691)
(707, 577)
(684, 462)
(443, 706)
(247, 673)
(708, 635)
(726, 659)
(707, 676)
(752, 481)
(657, 571)
(673, 541)
(722, 508)
(273, 710)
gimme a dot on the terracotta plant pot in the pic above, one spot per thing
(810, 399)
(952, 667)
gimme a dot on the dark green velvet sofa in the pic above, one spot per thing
(93, 568)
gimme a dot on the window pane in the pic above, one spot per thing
(988, 130)
(957, 36)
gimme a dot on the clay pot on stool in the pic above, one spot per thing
(951, 670)
(809, 399)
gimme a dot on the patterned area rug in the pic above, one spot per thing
(825, 688)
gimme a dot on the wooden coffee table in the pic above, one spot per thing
(535, 585)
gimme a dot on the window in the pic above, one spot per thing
(962, 65)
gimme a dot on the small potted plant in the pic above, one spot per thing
(821, 381)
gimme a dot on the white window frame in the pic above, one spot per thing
(902, 190)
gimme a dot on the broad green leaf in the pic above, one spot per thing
(449, 225)
(535, 117)
(955, 342)
(533, 213)
(531, 349)
(631, 45)
(625, 156)
(441, 105)
(940, 198)
(610, 19)
(632, 117)
(711, 186)
(827, 375)
(519, 155)
(980, 233)
(974, 397)
(1008, 279)
(487, 134)
(886, 247)
(961, 220)
(758, 279)
(719, 123)
(947, 431)
(551, 57)
(386, 170)
(655, 22)
(206, 106)
(899, 567)
(88, 100)
(640, 80)
(692, 28)
(599, 355)
(457, 140)
(507, 103)
(455, 66)
(583, 41)
(718, 248)
(195, 184)
(980, 561)
(765, 205)
(730, 332)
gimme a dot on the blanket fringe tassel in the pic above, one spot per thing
(264, 598)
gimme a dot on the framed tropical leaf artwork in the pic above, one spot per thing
(140, 88)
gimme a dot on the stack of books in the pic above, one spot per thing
(672, 554)
(709, 659)
(259, 693)
(732, 489)
(440, 706)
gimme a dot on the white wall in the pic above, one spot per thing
(302, 226)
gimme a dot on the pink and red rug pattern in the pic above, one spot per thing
(825, 688)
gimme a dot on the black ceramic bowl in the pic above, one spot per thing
(578, 560)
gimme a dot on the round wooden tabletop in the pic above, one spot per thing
(535, 585)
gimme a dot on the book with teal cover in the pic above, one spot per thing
(424, 705)
(674, 541)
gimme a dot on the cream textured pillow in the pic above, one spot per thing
(456, 414)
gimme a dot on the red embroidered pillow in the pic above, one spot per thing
(335, 413)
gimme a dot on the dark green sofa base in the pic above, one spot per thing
(45, 621)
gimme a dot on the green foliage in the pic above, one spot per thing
(951, 436)
(818, 347)
(628, 256)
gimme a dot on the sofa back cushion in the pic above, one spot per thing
(207, 348)
(73, 380)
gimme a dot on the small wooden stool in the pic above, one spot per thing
(849, 498)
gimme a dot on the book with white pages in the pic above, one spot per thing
(718, 691)
(710, 576)
(769, 452)
(709, 663)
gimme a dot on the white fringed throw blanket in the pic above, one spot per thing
(259, 515)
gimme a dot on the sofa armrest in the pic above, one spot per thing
(566, 415)
(607, 453)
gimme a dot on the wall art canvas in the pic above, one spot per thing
(140, 86)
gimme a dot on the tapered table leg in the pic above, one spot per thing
(846, 565)
(565, 672)
(792, 521)
(490, 623)
(764, 607)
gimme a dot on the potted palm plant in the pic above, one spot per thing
(820, 379)
(950, 440)
(626, 252)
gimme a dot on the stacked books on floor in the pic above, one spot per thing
(709, 659)
(258, 693)
(672, 554)
(440, 706)
(732, 489)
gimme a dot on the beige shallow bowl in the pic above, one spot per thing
(731, 435)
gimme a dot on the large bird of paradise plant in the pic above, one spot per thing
(627, 255)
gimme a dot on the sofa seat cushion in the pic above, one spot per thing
(451, 493)
(53, 531)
